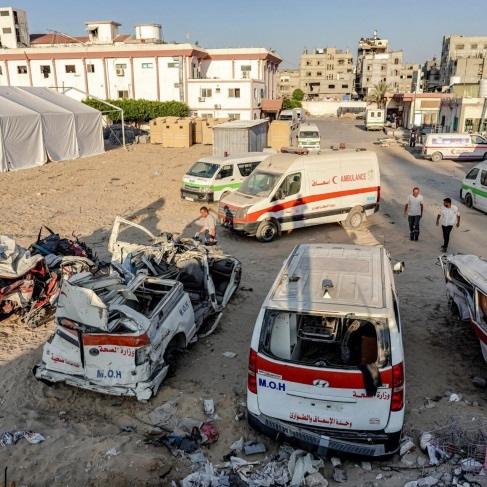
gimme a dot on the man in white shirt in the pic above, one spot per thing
(413, 209)
(449, 216)
(208, 228)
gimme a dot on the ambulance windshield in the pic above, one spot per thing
(259, 184)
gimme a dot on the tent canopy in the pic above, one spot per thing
(36, 123)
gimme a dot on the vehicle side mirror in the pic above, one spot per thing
(399, 267)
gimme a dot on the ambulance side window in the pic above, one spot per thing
(473, 173)
(483, 178)
(289, 187)
(246, 168)
(226, 171)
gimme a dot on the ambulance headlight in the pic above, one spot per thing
(241, 213)
(141, 355)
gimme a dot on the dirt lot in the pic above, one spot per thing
(142, 184)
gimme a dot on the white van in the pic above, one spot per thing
(290, 191)
(454, 146)
(294, 116)
(375, 119)
(326, 365)
(212, 177)
(474, 187)
(308, 136)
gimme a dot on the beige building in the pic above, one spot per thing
(327, 73)
(463, 114)
(463, 59)
(288, 81)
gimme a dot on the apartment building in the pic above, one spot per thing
(289, 80)
(431, 76)
(109, 65)
(463, 58)
(367, 47)
(14, 31)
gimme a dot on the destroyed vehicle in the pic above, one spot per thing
(120, 334)
(26, 284)
(326, 366)
(466, 289)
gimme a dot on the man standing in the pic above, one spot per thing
(450, 216)
(208, 228)
(412, 137)
(414, 211)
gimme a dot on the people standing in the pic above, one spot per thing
(449, 216)
(412, 137)
(208, 227)
(413, 209)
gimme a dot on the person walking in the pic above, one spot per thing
(449, 216)
(208, 227)
(413, 209)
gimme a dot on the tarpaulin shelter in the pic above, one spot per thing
(66, 128)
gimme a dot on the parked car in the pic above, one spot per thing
(474, 187)
(119, 333)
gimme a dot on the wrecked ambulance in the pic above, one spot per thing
(326, 365)
(119, 333)
(466, 288)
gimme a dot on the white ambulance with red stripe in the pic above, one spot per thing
(289, 191)
(326, 366)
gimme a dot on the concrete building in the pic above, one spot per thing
(105, 64)
(289, 80)
(431, 76)
(463, 114)
(327, 73)
(463, 59)
(14, 31)
(367, 46)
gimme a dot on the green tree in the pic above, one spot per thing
(289, 103)
(298, 94)
(136, 110)
(377, 94)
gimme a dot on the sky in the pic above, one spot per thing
(416, 27)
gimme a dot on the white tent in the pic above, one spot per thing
(65, 128)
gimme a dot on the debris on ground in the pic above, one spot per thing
(11, 437)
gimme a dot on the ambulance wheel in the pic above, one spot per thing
(468, 201)
(437, 157)
(171, 357)
(267, 231)
(354, 219)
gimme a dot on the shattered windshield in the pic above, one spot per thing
(203, 169)
(325, 341)
(259, 184)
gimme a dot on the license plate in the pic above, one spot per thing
(188, 198)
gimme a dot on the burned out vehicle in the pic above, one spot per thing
(119, 333)
(466, 288)
(27, 286)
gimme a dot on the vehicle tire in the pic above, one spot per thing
(437, 157)
(354, 219)
(171, 358)
(468, 200)
(485, 156)
(267, 231)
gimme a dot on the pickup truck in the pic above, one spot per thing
(119, 332)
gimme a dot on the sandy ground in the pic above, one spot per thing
(142, 184)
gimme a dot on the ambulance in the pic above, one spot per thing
(289, 191)
(326, 364)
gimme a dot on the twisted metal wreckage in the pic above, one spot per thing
(119, 329)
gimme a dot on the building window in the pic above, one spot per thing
(319, 73)
(308, 73)
(90, 68)
(70, 68)
(319, 63)
(234, 116)
(246, 67)
(331, 87)
(123, 94)
(4, 13)
(369, 67)
(205, 92)
(329, 67)
(345, 86)
(120, 66)
(46, 71)
(459, 47)
(308, 63)
(383, 68)
(396, 60)
(7, 30)
(329, 76)
(22, 69)
(147, 65)
(234, 92)
(173, 65)
(473, 46)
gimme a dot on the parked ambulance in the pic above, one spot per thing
(326, 365)
(454, 146)
(474, 187)
(212, 177)
(375, 119)
(308, 136)
(289, 191)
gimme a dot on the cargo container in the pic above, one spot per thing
(240, 136)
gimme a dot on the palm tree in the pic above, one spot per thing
(377, 94)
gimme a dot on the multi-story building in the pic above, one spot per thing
(464, 59)
(367, 46)
(326, 73)
(14, 31)
(107, 65)
(289, 80)
(431, 76)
